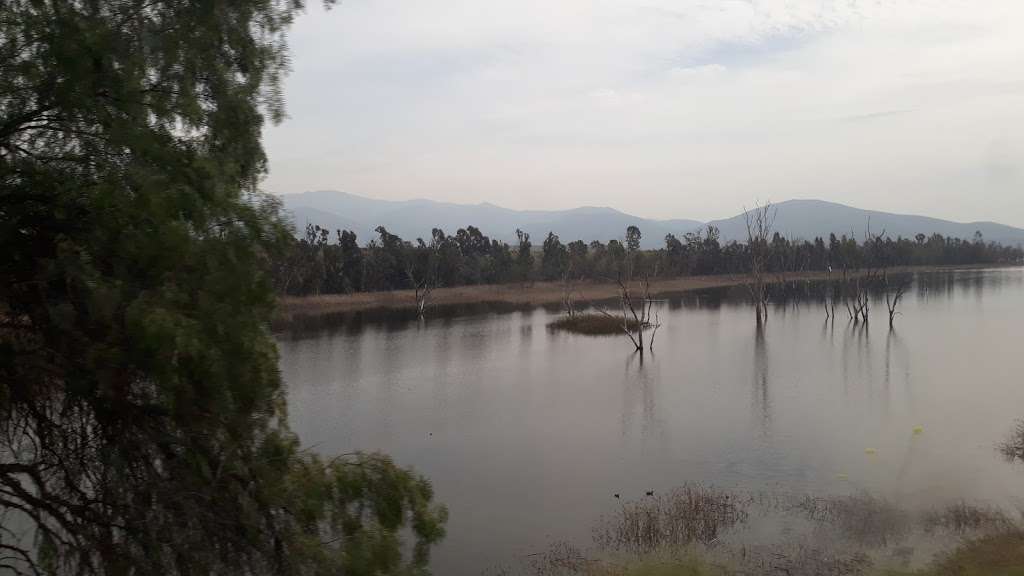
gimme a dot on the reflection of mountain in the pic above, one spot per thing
(411, 219)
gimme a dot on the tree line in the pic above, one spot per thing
(324, 263)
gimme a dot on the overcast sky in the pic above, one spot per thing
(663, 109)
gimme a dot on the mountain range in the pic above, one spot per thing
(795, 219)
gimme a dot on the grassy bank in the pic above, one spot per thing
(532, 294)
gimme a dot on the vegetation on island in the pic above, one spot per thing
(592, 324)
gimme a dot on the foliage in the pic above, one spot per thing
(554, 258)
(142, 417)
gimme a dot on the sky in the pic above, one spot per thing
(662, 109)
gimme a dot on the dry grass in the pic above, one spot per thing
(532, 294)
(592, 324)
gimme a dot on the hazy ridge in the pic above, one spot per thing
(796, 219)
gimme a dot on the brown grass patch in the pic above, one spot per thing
(532, 294)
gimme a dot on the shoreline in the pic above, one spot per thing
(535, 293)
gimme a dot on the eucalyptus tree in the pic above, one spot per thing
(142, 418)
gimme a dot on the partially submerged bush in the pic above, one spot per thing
(593, 324)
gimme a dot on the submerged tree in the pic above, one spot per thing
(894, 291)
(759, 222)
(142, 419)
(637, 313)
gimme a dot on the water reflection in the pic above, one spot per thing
(639, 387)
(762, 399)
(526, 434)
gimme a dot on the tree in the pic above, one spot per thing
(143, 427)
(759, 228)
(616, 254)
(524, 255)
(351, 261)
(632, 248)
(632, 239)
(554, 257)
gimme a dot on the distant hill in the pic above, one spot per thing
(796, 219)
(413, 219)
(806, 219)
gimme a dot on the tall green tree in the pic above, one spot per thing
(554, 257)
(142, 419)
(524, 255)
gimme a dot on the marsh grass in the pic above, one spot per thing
(799, 560)
(560, 558)
(995, 555)
(592, 324)
(683, 516)
(961, 517)
(1013, 447)
(861, 518)
(697, 530)
(566, 560)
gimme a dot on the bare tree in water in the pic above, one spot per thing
(894, 291)
(760, 222)
(872, 276)
(637, 313)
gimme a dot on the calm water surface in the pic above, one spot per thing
(527, 434)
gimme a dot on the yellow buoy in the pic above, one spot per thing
(870, 451)
(918, 430)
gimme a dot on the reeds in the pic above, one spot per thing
(689, 514)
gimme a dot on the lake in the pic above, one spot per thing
(526, 434)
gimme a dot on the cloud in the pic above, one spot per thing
(666, 108)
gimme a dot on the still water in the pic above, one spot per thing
(527, 434)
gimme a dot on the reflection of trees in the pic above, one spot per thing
(762, 398)
(895, 347)
(639, 385)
